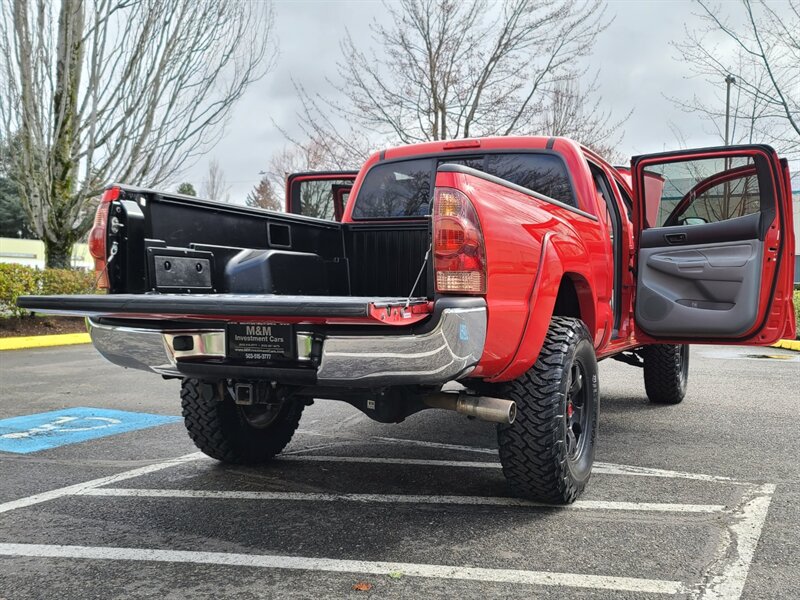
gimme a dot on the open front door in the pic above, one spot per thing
(714, 246)
(320, 194)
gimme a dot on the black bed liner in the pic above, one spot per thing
(233, 305)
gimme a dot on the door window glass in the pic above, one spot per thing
(701, 191)
(317, 196)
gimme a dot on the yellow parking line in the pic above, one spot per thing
(788, 345)
(43, 341)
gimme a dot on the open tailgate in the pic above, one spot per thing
(236, 307)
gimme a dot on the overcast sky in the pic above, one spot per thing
(636, 61)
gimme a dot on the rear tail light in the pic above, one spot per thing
(97, 236)
(459, 254)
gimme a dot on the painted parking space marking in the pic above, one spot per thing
(72, 490)
(384, 460)
(602, 468)
(42, 431)
(727, 575)
(398, 499)
(723, 577)
(547, 578)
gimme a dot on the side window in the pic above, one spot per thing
(543, 173)
(701, 191)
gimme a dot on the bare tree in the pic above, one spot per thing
(567, 113)
(759, 45)
(304, 156)
(314, 154)
(215, 187)
(447, 69)
(263, 195)
(132, 90)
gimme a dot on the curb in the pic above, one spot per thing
(788, 345)
(69, 339)
(44, 341)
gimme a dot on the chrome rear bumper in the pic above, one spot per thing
(448, 350)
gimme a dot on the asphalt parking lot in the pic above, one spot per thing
(699, 500)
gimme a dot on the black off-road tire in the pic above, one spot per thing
(666, 372)
(221, 429)
(540, 460)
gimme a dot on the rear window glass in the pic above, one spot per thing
(404, 188)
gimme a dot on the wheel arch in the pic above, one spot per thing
(575, 299)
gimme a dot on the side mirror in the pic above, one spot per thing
(693, 221)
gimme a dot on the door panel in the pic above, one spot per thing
(699, 290)
(740, 228)
(711, 240)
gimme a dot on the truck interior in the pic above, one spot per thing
(710, 244)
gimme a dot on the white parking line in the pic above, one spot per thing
(615, 469)
(71, 490)
(424, 462)
(404, 441)
(425, 444)
(396, 499)
(601, 582)
(599, 467)
(726, 577)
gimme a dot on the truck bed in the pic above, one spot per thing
(161, 239)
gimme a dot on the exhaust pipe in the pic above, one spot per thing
(485, 408)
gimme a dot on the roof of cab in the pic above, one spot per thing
(474, 145)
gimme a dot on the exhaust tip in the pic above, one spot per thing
(496, 410)
(512, 413)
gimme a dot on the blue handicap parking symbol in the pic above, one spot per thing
(42, 431)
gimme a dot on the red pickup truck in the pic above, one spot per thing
(509, 265)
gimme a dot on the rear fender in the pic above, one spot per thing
(554, 268)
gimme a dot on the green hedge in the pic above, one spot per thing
(21, 280)
(797, 311)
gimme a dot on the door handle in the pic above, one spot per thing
(675, 238)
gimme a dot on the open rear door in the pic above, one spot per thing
(319, 194)
(714, 246)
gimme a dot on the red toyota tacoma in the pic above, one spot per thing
(509, 265)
